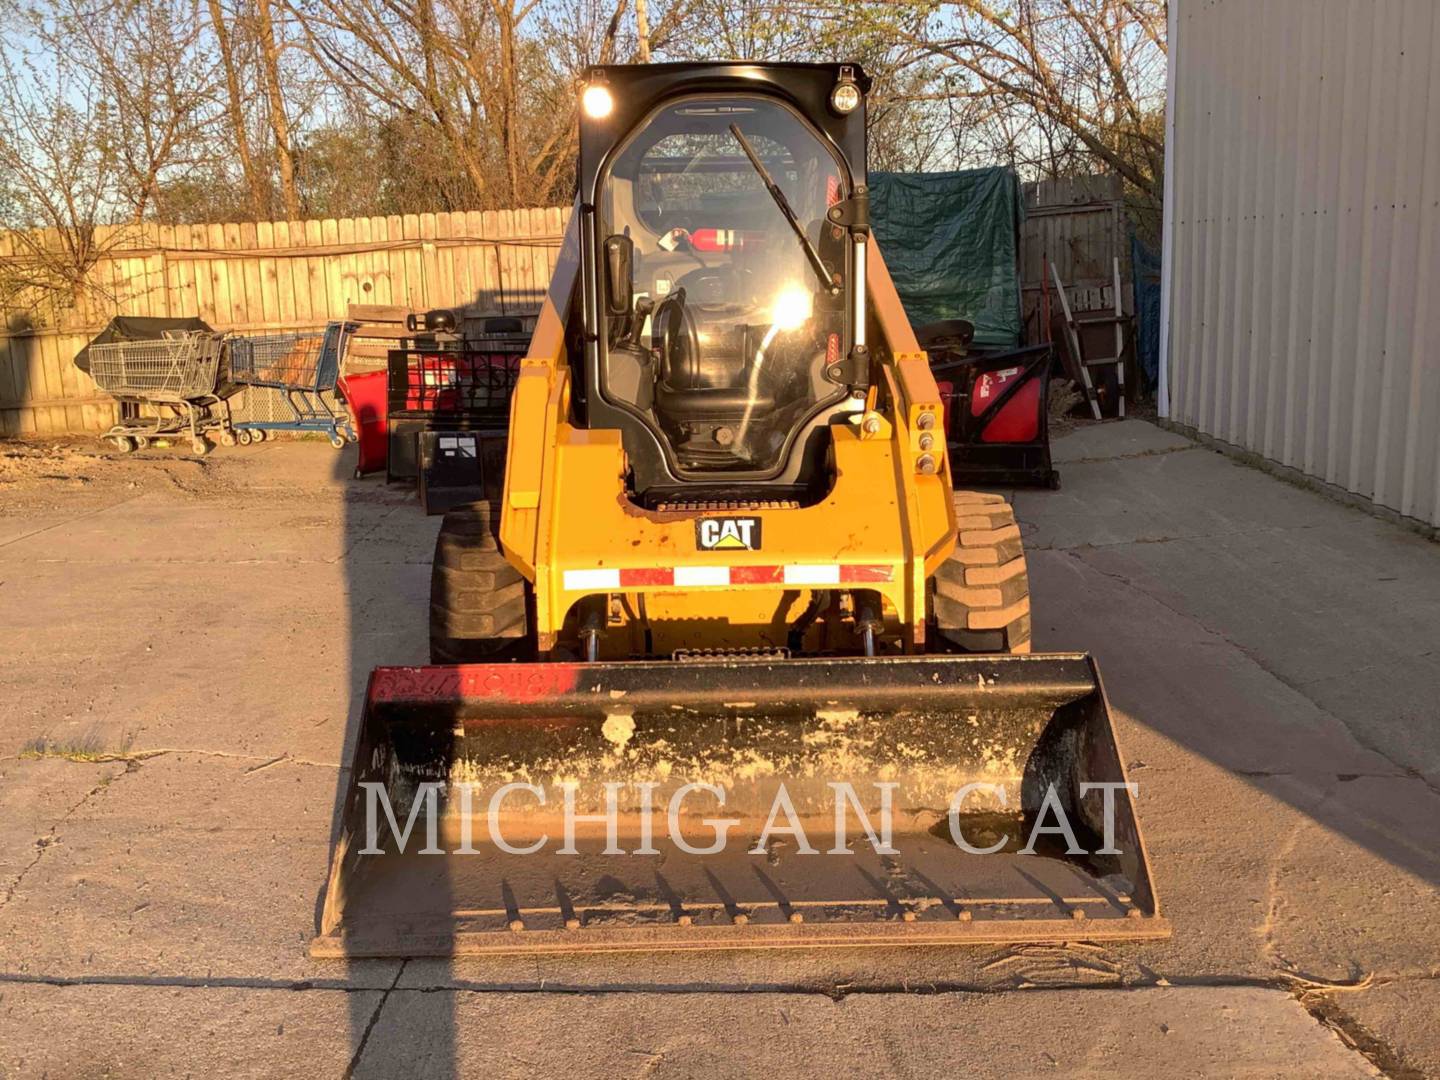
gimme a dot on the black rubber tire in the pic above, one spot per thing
(479, 603)
(980, 597)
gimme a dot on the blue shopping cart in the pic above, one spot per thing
(303, 366)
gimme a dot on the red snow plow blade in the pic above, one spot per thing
(720, 804)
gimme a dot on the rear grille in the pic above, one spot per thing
(730, 505)
(754, 653)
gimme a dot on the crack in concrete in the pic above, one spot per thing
(47, 841)
(69, 521)
(1137, 540)
(132, 760)
(1344, 777)
(1266, 930)
(232, 755)
(359, 539)
(163, 751)
(1157, 452)
(1280, 981)
(1387, 1060)
(1319, 1004)
(189, 982)
(1258, 660)
(374, 1019)
(1317, 1001)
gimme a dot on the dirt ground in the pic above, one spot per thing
(56, 473)
(186, 641)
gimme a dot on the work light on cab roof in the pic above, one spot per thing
(596, 101)
(845, 98)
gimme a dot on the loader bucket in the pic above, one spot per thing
(553, 808)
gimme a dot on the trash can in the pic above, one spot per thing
(365, 394)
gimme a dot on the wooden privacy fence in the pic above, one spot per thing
(262, 276)
(1080, 225)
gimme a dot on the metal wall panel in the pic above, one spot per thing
(1304, 262)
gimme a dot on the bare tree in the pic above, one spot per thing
(747, 30)
(151, 64)
(59, 176)
(1075, 73)
(492, 81)
(270, 45)
(208, 109)
(642, 31)
(388, 58)
(221, 26)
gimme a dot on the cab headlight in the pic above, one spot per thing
(845, 98)
(597, 101)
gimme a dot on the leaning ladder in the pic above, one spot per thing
(1085, 363)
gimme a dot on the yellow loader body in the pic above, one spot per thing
(568, 525)
(764, 682)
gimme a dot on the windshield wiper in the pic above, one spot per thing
(816, 263)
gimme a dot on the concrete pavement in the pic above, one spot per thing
(183, 664)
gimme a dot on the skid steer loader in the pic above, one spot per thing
(729, 664)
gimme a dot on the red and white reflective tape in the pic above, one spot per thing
(690, 577)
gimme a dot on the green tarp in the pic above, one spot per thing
(951, 241)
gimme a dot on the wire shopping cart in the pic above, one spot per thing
(178, 375)
(302, 365)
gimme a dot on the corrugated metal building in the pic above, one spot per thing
(1302, 257)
